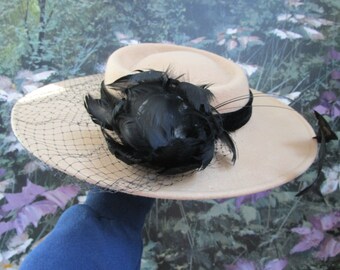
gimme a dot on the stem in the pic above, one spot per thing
(296, 202)
(41, 35)
(26, 27)
(157, 211)
(269, 214)
(189, 235)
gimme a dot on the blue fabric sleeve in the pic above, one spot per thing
(103, 233)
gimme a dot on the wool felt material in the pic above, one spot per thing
(103, 233)
(274, 147)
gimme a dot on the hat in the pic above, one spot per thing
(275, 146)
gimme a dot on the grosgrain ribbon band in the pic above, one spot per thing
(235, 120)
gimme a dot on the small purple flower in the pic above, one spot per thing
(329, 104)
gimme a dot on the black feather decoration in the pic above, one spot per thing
(324, 135)
(163, 123)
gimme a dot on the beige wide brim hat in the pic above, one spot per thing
(273, 148)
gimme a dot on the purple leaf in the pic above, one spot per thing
(328, 96)
(31, 214)
(5, 227)
(335, 74)
(329, 104)
(276, 264)
(334, 55)
(2, 172)
(336, 110)
(308, 240)
(241, 265)
(326, 222)
(61, 195)
(18, 200)
(329, 248)
(302, 230)
(322, 109)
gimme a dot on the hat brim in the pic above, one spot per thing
(273, 148)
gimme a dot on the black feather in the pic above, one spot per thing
(324, 129)
(102, 110)
(141, 77)
(324, 135)
(162, 123)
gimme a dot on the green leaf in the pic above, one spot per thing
(249, 213)
(284, 196)
(226, 208)
(181, 226)
(148, 264)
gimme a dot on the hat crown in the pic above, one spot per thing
(225, 78)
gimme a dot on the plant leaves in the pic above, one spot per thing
(249, 213)
(326, 222)
(221, 209)
(18, 200)
(5, 226)
(313, 34)
(276, 264)
(284, 196)
(241, 265)
(311, 238)
(181, 226)
(16, 245)
(33, 166)
(60, 196)
(329, 248)
(329, 186)
(31, 214)
(283, 34)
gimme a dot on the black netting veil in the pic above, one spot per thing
(59, 131)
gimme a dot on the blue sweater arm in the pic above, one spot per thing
(103, 233)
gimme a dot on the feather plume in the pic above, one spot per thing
(162, 123)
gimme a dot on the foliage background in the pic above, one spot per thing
(289, 48)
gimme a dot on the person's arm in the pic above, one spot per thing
(103, 233)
